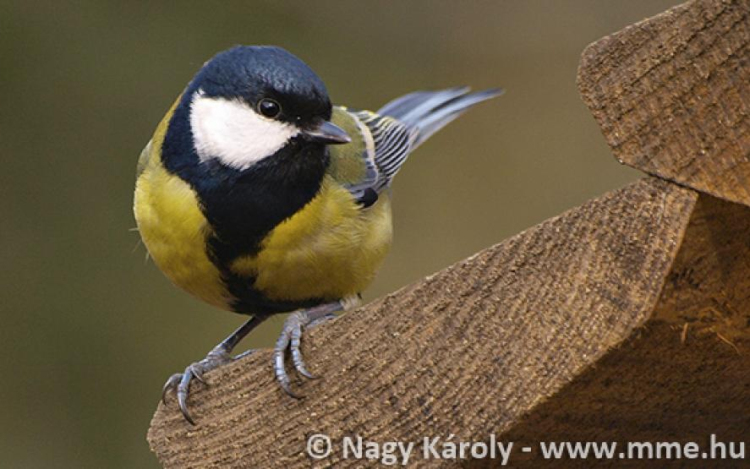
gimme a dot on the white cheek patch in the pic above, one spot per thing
(232, 132)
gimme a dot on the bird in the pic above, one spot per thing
(258, 196)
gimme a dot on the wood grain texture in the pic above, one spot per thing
(681, 377)
(653, 388)
(672, 95)
(466, 351)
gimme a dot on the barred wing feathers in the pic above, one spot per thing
(399, 127)
(392, 141)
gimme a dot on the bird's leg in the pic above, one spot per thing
(219, 355)
(291, 336)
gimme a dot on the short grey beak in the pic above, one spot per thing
(327, 133)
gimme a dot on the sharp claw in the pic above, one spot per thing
(182, 393)
(285, 384)
(299, 365)
(219, 355)
(170, 385)
(186, 414)
(324, 319)
(244, 354)
(197, 374)
(180, 382)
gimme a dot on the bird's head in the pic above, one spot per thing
(249, 102)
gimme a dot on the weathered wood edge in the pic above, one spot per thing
(672, 95)
(682, 376)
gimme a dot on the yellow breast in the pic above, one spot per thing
(330, 249)
(173, 227)
(174, 231)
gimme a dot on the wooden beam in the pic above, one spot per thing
(672, 95)
(681, 377)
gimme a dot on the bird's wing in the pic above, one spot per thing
(381, 141)
(392, 141)
(378, 149)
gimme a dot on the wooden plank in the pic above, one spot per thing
(653, 388)
(684, 375)
(672, 95)
(466, 351)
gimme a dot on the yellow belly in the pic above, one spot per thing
(174, 231)
(330, 249)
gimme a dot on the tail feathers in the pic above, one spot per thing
(430, 111)
(419, 103)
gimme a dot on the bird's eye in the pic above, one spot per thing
(269, 107)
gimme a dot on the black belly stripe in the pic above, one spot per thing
(247, 299)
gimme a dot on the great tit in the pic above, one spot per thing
(258, 196)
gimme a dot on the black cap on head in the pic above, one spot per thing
(252, 73)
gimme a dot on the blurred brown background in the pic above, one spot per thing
(90, 331)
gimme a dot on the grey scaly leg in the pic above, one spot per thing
(291, 336)
(219, 355)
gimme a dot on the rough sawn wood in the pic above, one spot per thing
(672, 95)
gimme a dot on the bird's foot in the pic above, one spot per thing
(180, 382)
(291, 338)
